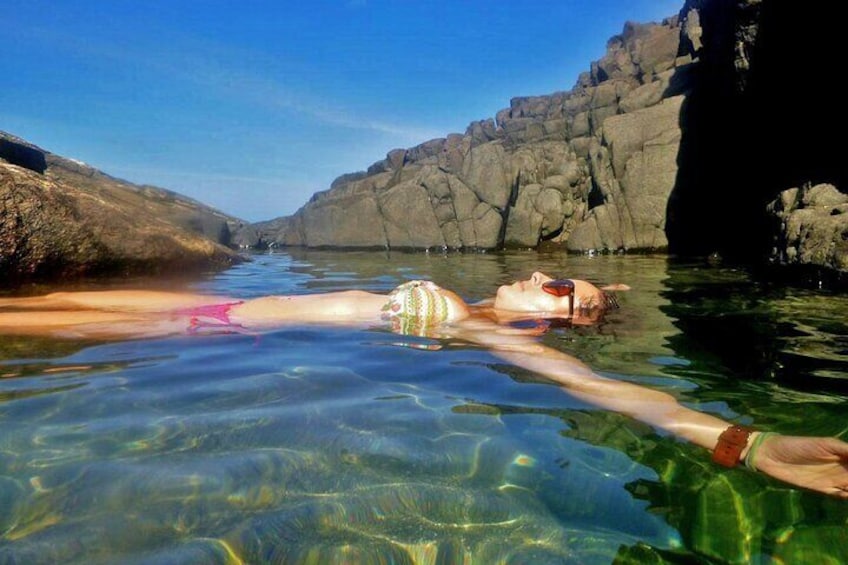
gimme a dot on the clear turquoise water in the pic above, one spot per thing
(322, 445)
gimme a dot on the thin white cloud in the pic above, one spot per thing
(220, 70)
(272, 94)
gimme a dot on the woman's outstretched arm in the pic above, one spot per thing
(815, 463)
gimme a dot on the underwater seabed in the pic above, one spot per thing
(317, 445)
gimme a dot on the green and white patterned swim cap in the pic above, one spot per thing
(415, 307)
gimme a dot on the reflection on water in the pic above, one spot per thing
(316, 445)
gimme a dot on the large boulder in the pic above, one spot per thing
(62, 218)
(812, 227)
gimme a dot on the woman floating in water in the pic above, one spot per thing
(423, 308)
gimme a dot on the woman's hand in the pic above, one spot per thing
(815, 463)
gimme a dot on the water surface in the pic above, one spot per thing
(324, 445)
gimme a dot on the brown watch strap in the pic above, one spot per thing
(730, 444)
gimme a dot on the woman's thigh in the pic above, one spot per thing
(112, 300)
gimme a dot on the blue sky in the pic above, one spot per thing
(252, 106)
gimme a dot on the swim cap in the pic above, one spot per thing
(417, 306)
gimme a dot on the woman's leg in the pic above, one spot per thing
(88, 324)
(28, 302)
(50, 318)
(112, 300)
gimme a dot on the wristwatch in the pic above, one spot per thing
(730, 444)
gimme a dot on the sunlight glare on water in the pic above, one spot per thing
(326, 445)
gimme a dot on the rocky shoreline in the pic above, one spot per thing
(669, 143)
(682, 139)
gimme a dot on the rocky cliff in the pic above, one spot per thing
(677, 139)
(60, 218)
(590, 168)
(707, 132)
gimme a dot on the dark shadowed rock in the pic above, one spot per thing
(16, 151)
(749, 127)
(66, 219)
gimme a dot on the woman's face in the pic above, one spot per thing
(528, 296)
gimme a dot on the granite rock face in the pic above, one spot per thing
(61, 218)
(591, 168)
